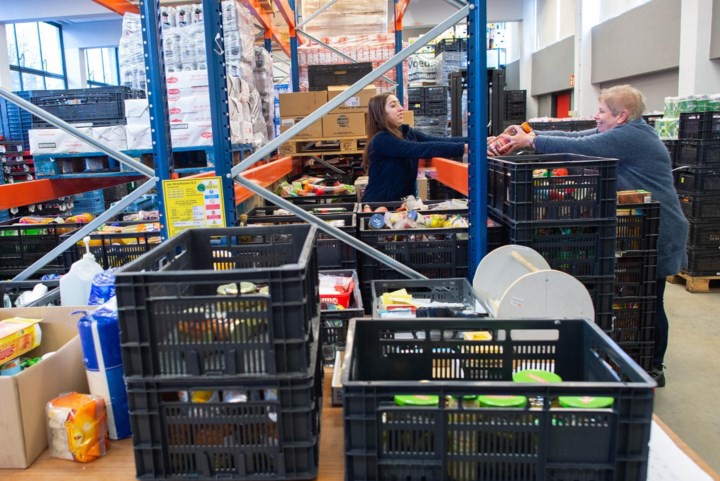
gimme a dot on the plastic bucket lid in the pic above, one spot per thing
(536, 375)
(587, 402)
(502, 401)
(416, 400)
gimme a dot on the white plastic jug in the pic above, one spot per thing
(75, 285)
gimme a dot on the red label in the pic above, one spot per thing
(172, 80)
(206, 135)
(210, 217)
(173, 91)
(174, 110)
(212, 206)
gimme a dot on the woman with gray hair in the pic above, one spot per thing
(643, 163)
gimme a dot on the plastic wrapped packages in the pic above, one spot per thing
(77, 427)
(260, 136)
(349, 17)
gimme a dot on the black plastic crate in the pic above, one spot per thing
(458, 292)
(435, 108)
(698, 152)
(642, 352)
(269, 428)
(638, 226)
(699, 125)
(320, 77)
(704, 234)
(175, 323)
(23, 244)
(673, 148)
(450, 45)
(334, 322)
(698, 180)
(579, 125)
(320, 199)
(436, 94)
(515, 96)
(582, 187)
(633, 320)
(14, 289)
(636, 275)
(600, 290)
(416, 95)
(115, 249)
(700, 207)
(580, 248)
(702, 262)
(543, 442)
(16, 121)
(566, 125)
(432, 207)
(97, 106)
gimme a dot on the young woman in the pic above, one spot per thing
(394, 149)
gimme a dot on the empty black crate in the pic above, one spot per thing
(98, 106)
(426, 291)
(584, 125)
(175, 323)
(416, 95)
(698, 152)
(450, 45)
(436, 94)
(386, 358)
(704, 234)
(515, 96)
(698, 180)
(566, 125)
(699, 125)
(257, 428)
(322, 76)
(115, 249)
(334, 322)
(699, 207)
(573, 187)
(673, 149)
(642, 352)
(637, 227)
(633, 320)
(332, 253)
(580, 248)
(636, 275)
(702, 262)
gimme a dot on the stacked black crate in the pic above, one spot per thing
(633, 309)
(220, 346)
(697, 180)
(563, 206)
(515, 107)
(430, 105)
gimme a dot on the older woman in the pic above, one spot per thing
(644, 163)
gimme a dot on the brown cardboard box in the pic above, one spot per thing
(23, 396)
(638, 196)
(301, 103)
(315, 131)
(359, 101)
(351, 124)
(409, 118)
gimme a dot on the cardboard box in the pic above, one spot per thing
(350, 124)
(359, 101)
(56, 141)
(23, 396)
(409, 118)
(300, 104)
(638, 196)
(315, 131)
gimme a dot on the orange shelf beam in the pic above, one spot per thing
(451, 173)
(44, 190)
(120, 7)
(400, 9)
(262, 175)
(266, 22)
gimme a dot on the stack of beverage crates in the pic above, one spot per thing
(220, 340)
(430, 105)
(697, 180)
(515, 107)
(634, 303)
(564, 207)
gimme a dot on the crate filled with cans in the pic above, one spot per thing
(697, 180)
(220, 336)
(470, 399)
(632, 324)
(430, 107)
(564, 207)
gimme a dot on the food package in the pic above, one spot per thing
(77, 427)
(638, 196)
(18, 336)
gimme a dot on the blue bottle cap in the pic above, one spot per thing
(377, 221)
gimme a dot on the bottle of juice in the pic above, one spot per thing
(495, 146)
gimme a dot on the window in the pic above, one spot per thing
(37, 60)
(102, 66)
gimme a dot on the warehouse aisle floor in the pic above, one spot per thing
(688, 403)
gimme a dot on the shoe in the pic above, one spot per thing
(658, 374)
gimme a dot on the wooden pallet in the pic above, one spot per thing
(695, 283)
(315, 147)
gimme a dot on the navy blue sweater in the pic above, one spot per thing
(393, 162)
(643, 163)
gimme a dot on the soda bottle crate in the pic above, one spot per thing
(704, 234)
(175, 323)
(698, 152)
(573, 187)
(452, 440)
(265, 427)
(638, 227)
(698, 208)
(698, 180)
(699, 126)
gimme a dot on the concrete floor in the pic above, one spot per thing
(688, 403)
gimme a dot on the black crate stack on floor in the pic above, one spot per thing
(515, 107)
(430, 105)
(223, 382)
(697, 180)
(564, 207)
(633, 310)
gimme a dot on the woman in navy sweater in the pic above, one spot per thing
(393, 150)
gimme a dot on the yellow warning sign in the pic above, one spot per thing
(193, 203)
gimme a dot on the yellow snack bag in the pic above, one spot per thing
(18, 336)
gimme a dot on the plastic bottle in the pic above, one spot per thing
(498, 142)
(75, 285)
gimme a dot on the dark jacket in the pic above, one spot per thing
(393, 162)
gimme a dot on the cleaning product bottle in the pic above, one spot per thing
(75, 285)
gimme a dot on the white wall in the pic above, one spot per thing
(79, 36)
(555, 21)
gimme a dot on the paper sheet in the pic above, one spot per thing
(667, 462)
